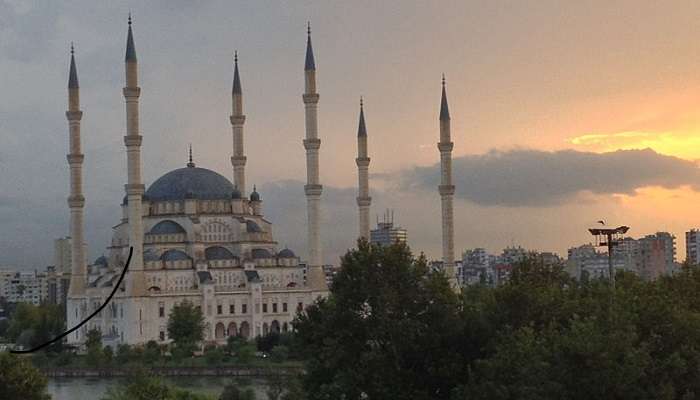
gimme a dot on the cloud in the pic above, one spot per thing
(536, 178)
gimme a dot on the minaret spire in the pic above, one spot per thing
(363, 199)
(134, 187)
(446, 189)
(238, 160)
(310, 64)
(73, 74)
(313, 188)
(75, 308)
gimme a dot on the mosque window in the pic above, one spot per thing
(264, 307)
(284, 307)
(161, 310)
(232, 309)
(162, 336)
(219, 309)
(244, 308)
(274, 307)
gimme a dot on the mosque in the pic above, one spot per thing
(196, 236)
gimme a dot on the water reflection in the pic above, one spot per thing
(95, 388)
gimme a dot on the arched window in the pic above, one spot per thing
(220, 331)
(232, 331)
(245, 329)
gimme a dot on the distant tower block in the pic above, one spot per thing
(363, 199)
(238, 160)
(313, 188)
(446, 189)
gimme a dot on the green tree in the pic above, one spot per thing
(19, 380)
(151, 352)
(388, 329)
(245, 353)
(186, 326)
(123, 353)
(108, 354)
(93, 342)
(233, 391)
(213, 355)
(142, 385)
(279, 353)
(233, 343)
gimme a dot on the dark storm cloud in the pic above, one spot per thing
(537, 178)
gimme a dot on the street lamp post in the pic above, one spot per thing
(609, 237)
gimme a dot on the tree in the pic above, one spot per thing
(186, 325)
(142, 385)
(19, 380)
(108, 354)
(123, 353)
(279, 353)
(31, 325)
(93, 342)
(213, 355)
(389, 329)
(245, 353)
(151, 352)
(232, 391)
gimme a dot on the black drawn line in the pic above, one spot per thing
(71, 330)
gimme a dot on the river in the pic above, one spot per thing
(95, 388)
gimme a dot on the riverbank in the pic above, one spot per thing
(218, 371)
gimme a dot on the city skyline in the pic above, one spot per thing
(521, 173)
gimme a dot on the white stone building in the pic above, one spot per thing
(196, 237)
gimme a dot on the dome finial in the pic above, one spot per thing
(72, 50)
(129, 17)
(191, 163)
(308, 28)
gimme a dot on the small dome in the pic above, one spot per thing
(286, 253)
(218, 253)
(150, 255)
(255, 196)
(101, 260)
(261, 253)
(166, 227)
(174, 255)
(252, 226)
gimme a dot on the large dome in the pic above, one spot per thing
(192, 183)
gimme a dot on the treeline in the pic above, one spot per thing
(391, 329)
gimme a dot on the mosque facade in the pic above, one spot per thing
(196, 236)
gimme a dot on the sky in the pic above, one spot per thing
(563, 114)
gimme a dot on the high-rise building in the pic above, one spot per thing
(386, 233)
(692, 247)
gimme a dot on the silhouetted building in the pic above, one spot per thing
(386, 233)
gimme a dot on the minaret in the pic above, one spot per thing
(76, 201)
(134, 187)
(446, 189)
(238, 159)
(316, 277)
(362, 160)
